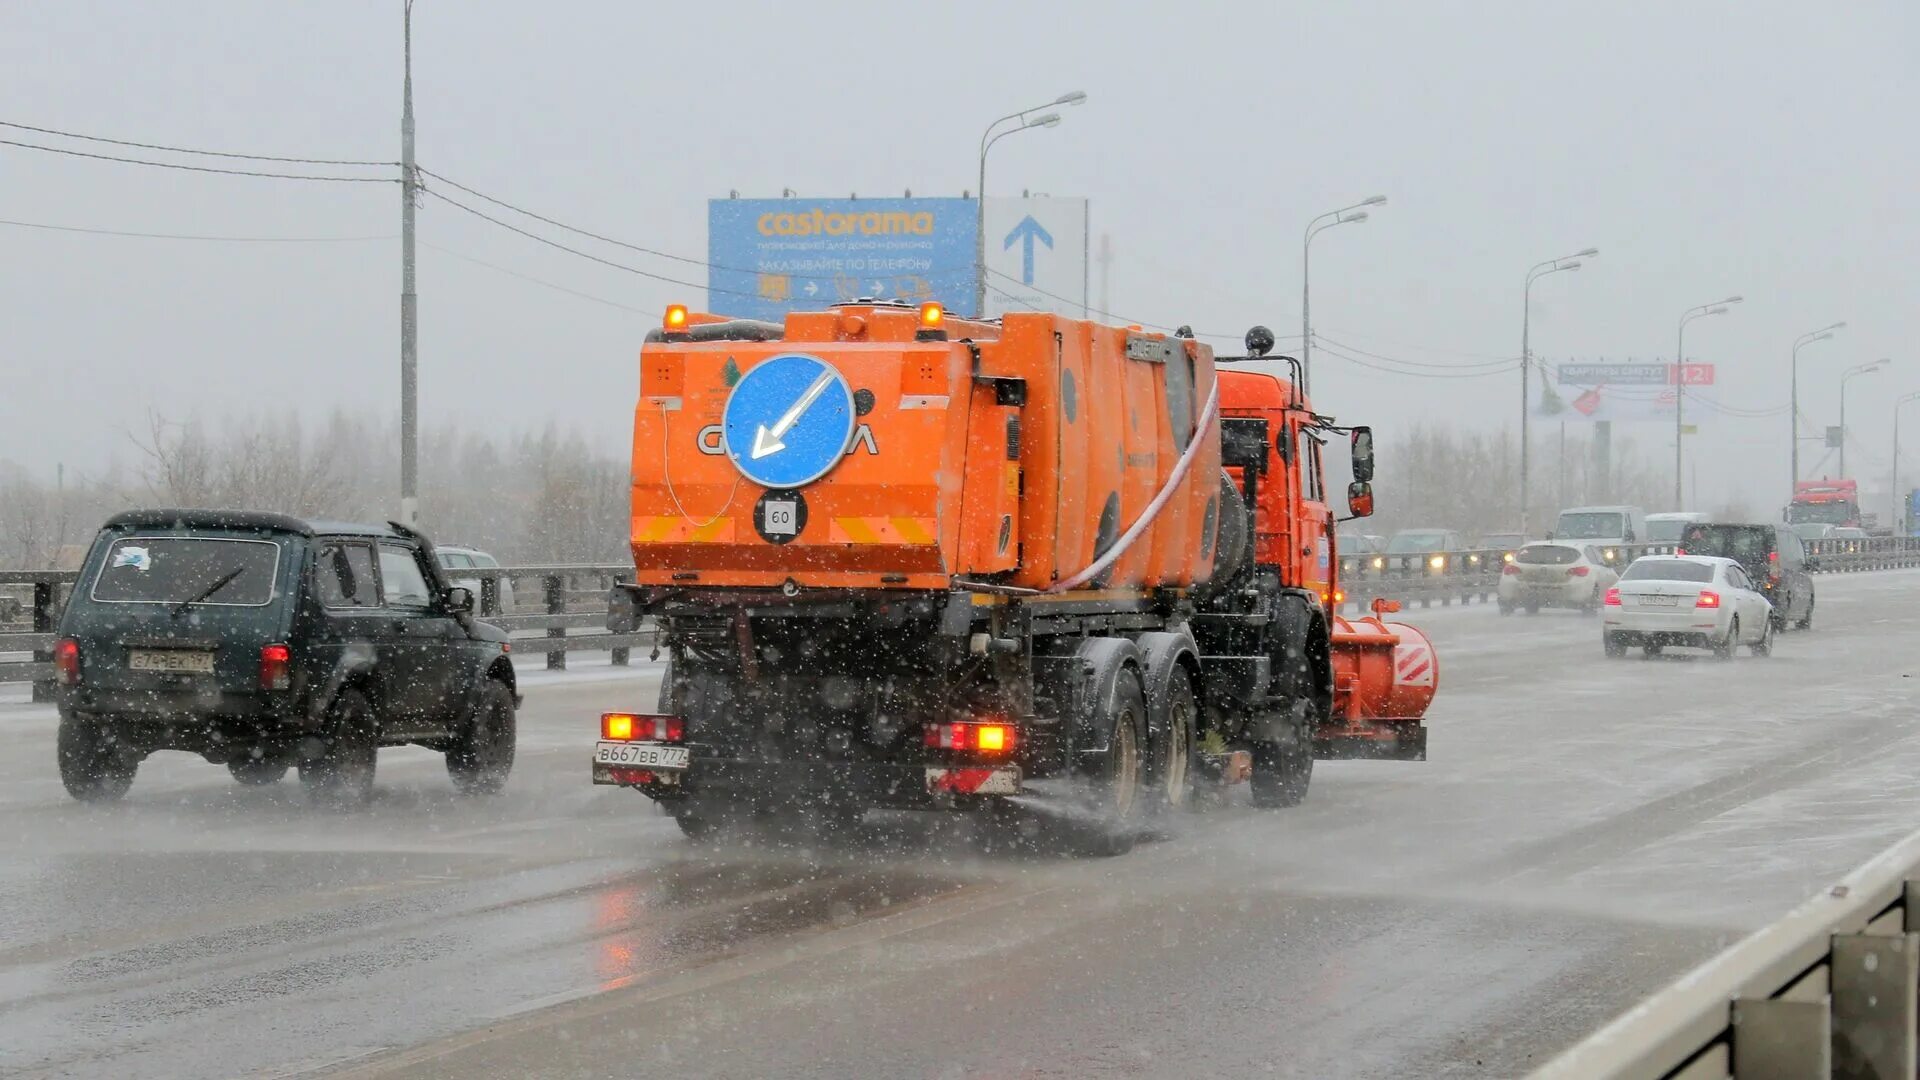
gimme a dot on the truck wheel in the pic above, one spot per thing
(1111, 796)
(94, 766)
(1281, 774)
(697, 823)
(257, 772)
(1171, 787)
(341, 774)
(481, 753)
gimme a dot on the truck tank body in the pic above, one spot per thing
(1012, 454)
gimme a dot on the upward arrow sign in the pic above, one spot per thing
(1025, 234)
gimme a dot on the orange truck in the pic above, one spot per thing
(1038, 566)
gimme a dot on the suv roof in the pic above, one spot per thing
(246, 519)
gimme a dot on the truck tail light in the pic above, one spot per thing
(66, 661)
(1708, 599)
(276, 667)
(1510, 569)
(1613, 597)
(641, 727)
(1576, 571)
(985, 738)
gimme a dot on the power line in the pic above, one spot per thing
(202, 168)
(1108, 314)
(1423, 348)
(502, 203)
(1343, 355)
(536, 281)
(1503, 363)
(201, 153)
(186, 236)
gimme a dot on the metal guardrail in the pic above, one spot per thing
(1830, 990)
(1465, 576)
(564, 605)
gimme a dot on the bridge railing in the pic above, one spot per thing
(570, 597)
(1829, 990)
(1464, 576)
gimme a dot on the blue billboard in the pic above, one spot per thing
(772, 256)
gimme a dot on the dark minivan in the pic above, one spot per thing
(1771, 555)
(263, 642)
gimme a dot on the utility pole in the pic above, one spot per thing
(409, 302)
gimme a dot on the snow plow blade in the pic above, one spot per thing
(1384, 677)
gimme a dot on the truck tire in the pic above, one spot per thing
(341, 773)
(1110, 793)
(1170, 787)
(1282, 773)
(481, 753)
(94, 766)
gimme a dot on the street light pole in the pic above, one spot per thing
(409, 302)
(1345, 215)
(1538, 271)
(1825, 333)
(987, 139)
(1852, 372)
(1899, 518)
(1718, 307)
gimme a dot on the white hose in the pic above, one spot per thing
(1180, 469)
(666, 473)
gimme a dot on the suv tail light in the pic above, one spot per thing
(276, 667)
(985, 738)
(66, 661)
(1708, 599)
(1510, 569)
(641, 727)
(1613, 597)
(1577, 571)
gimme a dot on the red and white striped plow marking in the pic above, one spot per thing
(1002, 781)
(1413, 664)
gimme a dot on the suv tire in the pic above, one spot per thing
(94, 766)
(481, 753)
(342, 774)
(257, 772)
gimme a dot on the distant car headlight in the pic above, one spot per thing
(1379, 563)
(1437, 562)
(1609, 554)
(1473, 559)
(1508, 557)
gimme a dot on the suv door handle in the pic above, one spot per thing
(399, 626)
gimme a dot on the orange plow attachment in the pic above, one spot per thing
(1384, 677)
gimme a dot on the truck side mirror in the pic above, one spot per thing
(1362, 442)
(1359, 499)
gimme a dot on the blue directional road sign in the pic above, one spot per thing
(788, 421)
(1025, 234)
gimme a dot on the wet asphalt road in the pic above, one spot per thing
(1586, 831)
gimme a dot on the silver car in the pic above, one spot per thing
(456, 559)
(1555, 575)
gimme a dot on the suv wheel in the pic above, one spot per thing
(94, 765)
(1807, 622)
(481, 753)
(257, 772)
(342, 773)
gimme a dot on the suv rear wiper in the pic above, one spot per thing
(180, 608)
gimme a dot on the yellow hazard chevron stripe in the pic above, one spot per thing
(679, 530)
(917, 532)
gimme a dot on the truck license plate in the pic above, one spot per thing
(170, 660)
(642, 754)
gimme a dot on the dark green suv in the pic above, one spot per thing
(263, 643)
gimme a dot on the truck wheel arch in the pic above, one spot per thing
(1080, 676)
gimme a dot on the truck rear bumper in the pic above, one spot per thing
(915, 787)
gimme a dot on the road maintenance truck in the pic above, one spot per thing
(1035, 565)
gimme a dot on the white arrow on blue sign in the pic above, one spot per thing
(788, 421)
(1025, 234)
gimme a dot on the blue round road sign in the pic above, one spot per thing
(788, 421)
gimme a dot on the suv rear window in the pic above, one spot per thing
(1547, 555)
(1668, 570)
(177, 569)
(1743, 543)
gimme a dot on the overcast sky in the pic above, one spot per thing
(1707, 148)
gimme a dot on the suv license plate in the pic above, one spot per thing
(170, 660)
(644, 754)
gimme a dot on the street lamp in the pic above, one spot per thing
(1899, 505)
(1538, 271)
(1346, 215)
(1861, 369)
(1718, 307)
(987, 139)
(1825, 333)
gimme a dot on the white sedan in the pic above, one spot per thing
(1555, 575)
(1699, 601)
